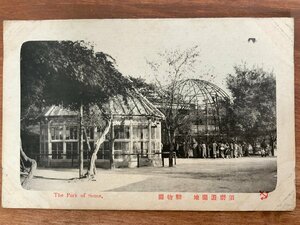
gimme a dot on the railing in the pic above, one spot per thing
(74, 157)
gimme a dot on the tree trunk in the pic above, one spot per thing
(91, 172)
(80, 142)
(27, 167)
(171, 139)
(171, 154)
(272, 144)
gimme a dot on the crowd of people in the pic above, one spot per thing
(220, 149)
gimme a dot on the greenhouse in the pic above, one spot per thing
(135, 132)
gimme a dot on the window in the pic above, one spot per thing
(140, 132)
(145, 133)
(104, 151)
(72, 150)
(57, 150)
(57, 133)
(71, 133)
(153, 132)
(120, 148)
(124, 146)
(155, 146)
(140, 147)
(136, 132)
(121, 132)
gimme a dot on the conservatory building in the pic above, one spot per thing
(134, 138)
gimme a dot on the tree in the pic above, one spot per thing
(169, 71)
(72, 74)
(254, 102)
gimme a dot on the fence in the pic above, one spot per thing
(75, 158)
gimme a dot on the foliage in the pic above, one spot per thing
(141, 84)
(254, 101)
(68, 73)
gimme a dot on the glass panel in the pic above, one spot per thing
(136, 147)
(157, 146)
(42, 134)
(107, 145)
(136, 132)
(104, 151)
(57, 150)
(123, 146)
(71, 133)
(144, 147)
(118, 154)
(153, 132)
(69, 150)
(52, 130)
(121, 132)
(140, 132)
(145, 133)
(153, 145)
(72, 150)
(57, 133)
(67, 133)
(127, 132)
(140, 147)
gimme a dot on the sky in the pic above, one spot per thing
(223, 43)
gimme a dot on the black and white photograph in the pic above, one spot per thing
(153, 106)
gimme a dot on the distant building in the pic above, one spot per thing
(136, 129)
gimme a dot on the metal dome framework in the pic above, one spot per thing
(201, 92)
(206, 104)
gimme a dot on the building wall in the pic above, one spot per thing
(128, 139)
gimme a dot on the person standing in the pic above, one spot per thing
(204, 152)
(227, 151)
(222, 149)
(240, 150)
(263, 146)
(231, 149)
(245, 149)
(249, 149)
(235, 150)
(214, 149)
(190, 152)
(195, 148)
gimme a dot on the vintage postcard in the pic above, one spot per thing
(149, 114)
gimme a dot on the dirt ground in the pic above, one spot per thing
(244, 175)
